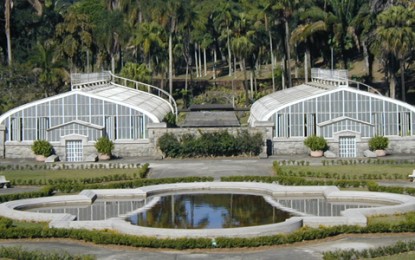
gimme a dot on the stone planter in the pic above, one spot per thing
(318, 153)
(380, 153)
(104, 157)
(40, 158)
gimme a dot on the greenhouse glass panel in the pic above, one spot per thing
(69, 107)
(42, 126)
(391, 119)
(350, 104)
(124, 123)
(323, 108)
(364, 109)
(337, 103)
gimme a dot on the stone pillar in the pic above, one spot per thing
(155, 130)
(2, 141)
(266, 129)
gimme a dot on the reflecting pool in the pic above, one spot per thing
(208, 211)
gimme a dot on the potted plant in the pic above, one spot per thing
(42, 149)
(317, 145)
(378, 144)
(104, 147)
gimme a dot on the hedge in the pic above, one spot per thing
(76, 187)
(220, 143)
(397, 248)
(17, 252)
(141, 173)
(110, 237)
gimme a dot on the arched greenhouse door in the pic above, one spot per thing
(74, 150)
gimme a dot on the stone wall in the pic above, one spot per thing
(291, 146)
(140, 148)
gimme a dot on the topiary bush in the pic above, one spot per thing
(42, 147)
(104, 145)
(378, 142)
(316, 143)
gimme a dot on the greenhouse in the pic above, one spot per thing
(99, 104)
(329, 106)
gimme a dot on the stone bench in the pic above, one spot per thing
(3, 182)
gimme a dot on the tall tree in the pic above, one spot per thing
(7, 15)
(285, 10)
(395, 36)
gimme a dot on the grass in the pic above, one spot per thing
(359, 171)
(402, 256)
(395, 219)
(63, 174)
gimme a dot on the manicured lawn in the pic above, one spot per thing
(358, 171)
(395, 219)
(64, 174)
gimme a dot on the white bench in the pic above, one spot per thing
(412, 176)
(3, 182)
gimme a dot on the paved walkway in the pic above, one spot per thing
(217, 168)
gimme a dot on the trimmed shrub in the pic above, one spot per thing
(104, 145)
(378, 143)
(42, 147)
(220, 143)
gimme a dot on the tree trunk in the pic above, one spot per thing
(204, 61)
(272, 61)
(366, 58)
(245, 82)
(7, 14)
(288, 50)
(171, 63)
(200, 61)
(229, 53)
(403, 90)
(196, 62)
(306, 67)
(214, 63)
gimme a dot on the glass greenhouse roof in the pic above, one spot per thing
(263, 108)
(155, 107)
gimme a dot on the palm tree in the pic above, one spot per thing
(339, 20)
(395, 36)
(223, 17)
(309, 32)
(51, 73)
(285, 10)
(148, 35)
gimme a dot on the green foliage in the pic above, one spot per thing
(109, 237)
(104, 145)
(220, 143)
(137, 72)
(170, 119)
(19, 253)
(397, 248)
(44, 192)
(315, 143)
(42, 147)
(378, 143)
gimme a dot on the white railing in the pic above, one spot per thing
(330, 77)
(78, 79)
(338, 78)
(365, 86)
(93, 80)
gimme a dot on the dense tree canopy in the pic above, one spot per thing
(41, 42)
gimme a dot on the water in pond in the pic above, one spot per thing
(207, 211)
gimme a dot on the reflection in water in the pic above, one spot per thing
(205, 211)
(99, 210)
